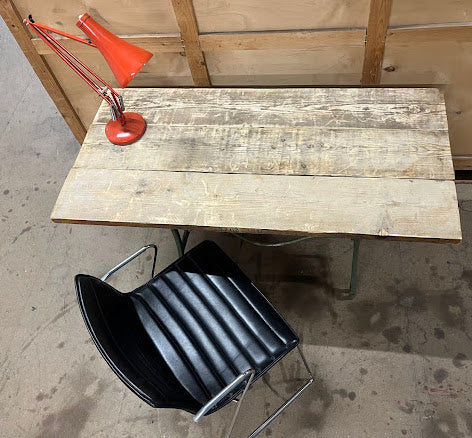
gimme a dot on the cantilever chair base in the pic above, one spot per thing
(195, 337)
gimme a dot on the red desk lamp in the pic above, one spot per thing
(125, 61)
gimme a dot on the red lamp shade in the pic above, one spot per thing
(124, 59)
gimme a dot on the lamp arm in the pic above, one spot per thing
(30, 21)
(81, 69)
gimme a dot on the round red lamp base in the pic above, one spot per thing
(128, 132)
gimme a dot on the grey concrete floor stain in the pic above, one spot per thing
(458, 360)
(68, 422)
(443, 426)
(440, 375)
(393, 334)
(439, 333)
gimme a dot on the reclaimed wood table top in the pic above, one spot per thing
(358, 162)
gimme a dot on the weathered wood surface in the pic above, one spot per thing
(368, 207)
(308, 151)
(334, 132)
(336, 162)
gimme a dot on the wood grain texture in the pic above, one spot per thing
(187, 22)
(263, 15)
(15, 23)
(387, 208)
(455, 34)
(430, 11)
(293, 161)
(118, 16)
(375, 44)
(388, 108)
(444, 63)
(308, 40)
(339, 132)
(308, 151)
(283, 67)
(152, 43)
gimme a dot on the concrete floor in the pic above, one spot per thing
(395, 362)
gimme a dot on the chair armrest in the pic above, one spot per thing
(132, 257)
(223, 393)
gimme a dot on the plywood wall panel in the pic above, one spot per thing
(247, 15)
(118, 16)
(430, 11)
(286, 67)
(444, 64)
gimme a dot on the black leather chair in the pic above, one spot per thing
(194, 337)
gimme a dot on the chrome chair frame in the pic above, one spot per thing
(238, 380)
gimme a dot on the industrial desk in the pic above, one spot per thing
(331, 162)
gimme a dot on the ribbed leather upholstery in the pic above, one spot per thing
(179, 339)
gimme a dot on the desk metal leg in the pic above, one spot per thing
(180, 242)
(355, 264)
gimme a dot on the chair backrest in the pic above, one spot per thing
(114, 326)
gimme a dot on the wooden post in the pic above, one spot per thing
(41, 68)
(187, 21)
(379, 17)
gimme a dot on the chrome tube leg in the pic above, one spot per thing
(129, 259)
(355, 265)
(238, 407)
(289, 401)
(300, 352)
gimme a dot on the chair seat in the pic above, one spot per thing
(205, 319)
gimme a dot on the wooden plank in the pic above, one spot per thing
(339, 66)
(456, 34)
(306, 40)
(375, 44)
(410, 109)
(263, 15)
(153, 43)
(368, 207)
(187, 22)
(41, 68)
(430, 11)
(303, 99)
(281, 150)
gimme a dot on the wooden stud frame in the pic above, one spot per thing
(194, 45)
(185, 15)
(379, 17)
